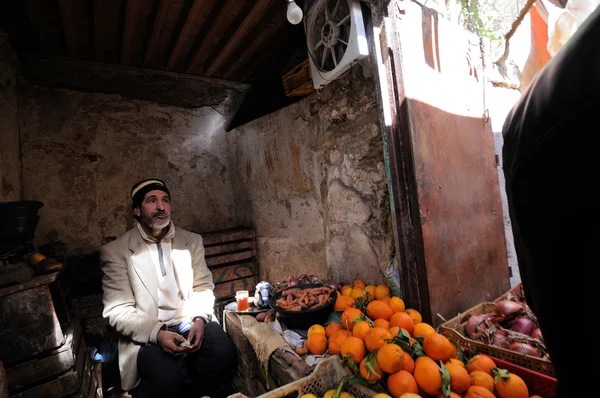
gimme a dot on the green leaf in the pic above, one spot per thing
(500, 374)
(391, 283)
(445, 380)
(335, 316)
(417, 350)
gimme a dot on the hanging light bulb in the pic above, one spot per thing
(294, 13)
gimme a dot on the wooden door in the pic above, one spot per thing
(448, 215)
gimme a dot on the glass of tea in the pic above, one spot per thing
(241, 297)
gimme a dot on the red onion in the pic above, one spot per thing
(475, 325)
(537, 334)
(525, 349)
(500, 339)
(507, 307)
(523, 325)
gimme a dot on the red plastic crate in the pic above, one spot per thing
(537, 383)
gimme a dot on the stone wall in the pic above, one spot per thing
(10, 164)
(310, 178)
(82, 152)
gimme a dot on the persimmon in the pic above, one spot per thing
(509, 385)
(336, 340)
(415, 315)
(481, 362)
(483, 379)
(361, 329)
(358, 283)
(403, 320)
(400, 383)
(346, 289)
(381, 323)
(342, 303)
(428, 375)
(459, 378)
(376, 337)
(377, 309)
(317, 343)
(479, 392)
(349, 317)
(390, 358)
(382, 291)
(370, 289)
(357, 292)
(354, 347)
(438, 347)
(331, 328)
(372, 372)
(397, 304)
(409, 363)
(423, 329)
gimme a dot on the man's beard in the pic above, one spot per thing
(154, 222)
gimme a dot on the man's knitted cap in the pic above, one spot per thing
(139, 190)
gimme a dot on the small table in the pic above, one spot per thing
(251, 379)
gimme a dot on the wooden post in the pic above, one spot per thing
(3, 383)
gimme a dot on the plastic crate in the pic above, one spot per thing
(537, 383)
(454, 329)
(298, 82)
(327, 375)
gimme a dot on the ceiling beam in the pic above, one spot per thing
(45, 20)
(194, 24)
(75, 15)
(137, 22)
(222, 23)
(107, 16)
(256, 67)
(165, 25)
(252, 19)
(275, 23)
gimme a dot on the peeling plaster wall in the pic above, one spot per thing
(10, 163)
(82, 152)
(310, 178)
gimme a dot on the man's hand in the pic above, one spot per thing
(168, 342)
(196, 334)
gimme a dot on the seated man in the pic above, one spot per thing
(169, 345)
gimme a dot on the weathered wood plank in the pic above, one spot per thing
(229, 247)
(228, 289)
(256, 14)
(170, 14)
(194, 24)
(230, 258)
(287, 366)
(62, 386)
(228, 235)
(232, 272)
(230, 11)
(76, 25)
(107, 17)
(45, 20)
(35, 282)
(138, 22)
(256, 65)
(276, 20)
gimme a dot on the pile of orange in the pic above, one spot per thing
(372, 339)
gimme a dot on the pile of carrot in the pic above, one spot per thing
(297, 299)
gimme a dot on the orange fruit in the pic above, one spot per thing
(481, 362)
(423, 329)
(479, 392)
(400, 383)
(346, 289)
(512, 386)
(403, 320)
(415, 315)
(377, 309)
(357, 292)
(382, 291)
(409, 363)
(376, 338)
(428, 375)
(336, 340)
(385, 300)
(452, 395)
(381, 323)
(358, 283)
(438, 347)
(349, 317)
(370, 289)
(361, 329)
(456, 362)
(390, 358)
(342, 303)
(367, 374)
(394, 330)
(317, 343)
(354, 347)
(397, 304)
(483, 379)
(459, 378)
(331, 328)
(315, 329)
